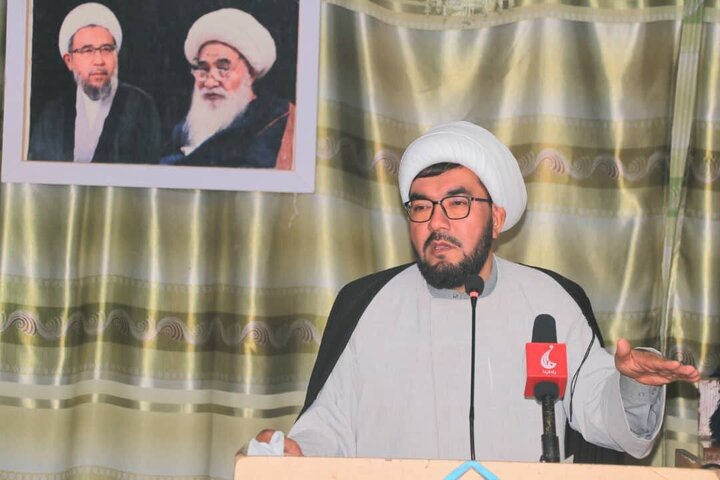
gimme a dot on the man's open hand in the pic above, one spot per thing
(650, 368)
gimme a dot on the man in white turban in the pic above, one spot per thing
(103, 120)
(392, 377)
(228, 124)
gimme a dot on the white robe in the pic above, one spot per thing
(400, 388)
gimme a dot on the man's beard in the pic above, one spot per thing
(97, 93)
(206, 118)
(445, 275)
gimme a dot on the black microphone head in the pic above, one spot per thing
(546, 389)
(474, 283)
(544, 329)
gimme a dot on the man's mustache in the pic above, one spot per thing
(207, 94)
(441, 236)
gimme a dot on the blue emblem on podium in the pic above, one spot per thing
(471, 466)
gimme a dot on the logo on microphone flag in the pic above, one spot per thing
(545, 362)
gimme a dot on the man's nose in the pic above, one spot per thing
(98, 58)
(438, 220)
(210, 82)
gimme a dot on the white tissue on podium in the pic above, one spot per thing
(276, 446)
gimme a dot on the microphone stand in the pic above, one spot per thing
(473, 301)
(474, 285)
(547, 394)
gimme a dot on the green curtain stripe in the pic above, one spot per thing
(712, 11)
(684, 108)
(96, 398)
(703, 174)
(395, 134)
(126, 292)
(159, 330)
(433, 15)
(155, 394)
(675, 191)
(555, 163)
(248, 372)
(683, 115)
(96, 473)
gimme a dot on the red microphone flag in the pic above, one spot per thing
(545, 362)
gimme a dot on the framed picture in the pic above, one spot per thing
(201, 94)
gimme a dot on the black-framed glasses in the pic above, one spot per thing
(455, 207)
(88, 50)
(202, 70)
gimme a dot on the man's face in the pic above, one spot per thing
(92, 70)
(220, 71)
(223, 90)
(450, 250)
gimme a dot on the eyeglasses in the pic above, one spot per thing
(455, 207)
(89, 50)
(202, 70)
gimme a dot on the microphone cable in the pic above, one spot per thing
(574, 380)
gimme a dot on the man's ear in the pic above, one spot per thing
(498, 218)
(68, 61)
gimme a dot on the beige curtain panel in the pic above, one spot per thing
(151, 332)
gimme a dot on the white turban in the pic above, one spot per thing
(237, 29)
(85, 15)
(475, 148)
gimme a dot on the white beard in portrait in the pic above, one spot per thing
(209, 116)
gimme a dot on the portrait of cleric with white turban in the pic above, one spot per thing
(207, 83)
(228, 124)
(98, 119)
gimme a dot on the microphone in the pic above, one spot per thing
(546, 362)
(474, 286)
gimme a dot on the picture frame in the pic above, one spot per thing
(152, 59)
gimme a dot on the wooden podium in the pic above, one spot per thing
(297, 468)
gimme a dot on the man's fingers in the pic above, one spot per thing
(650, 368)
(667, 372)
(623, 348)
(687, 373)
(265, 436)
(292, 449)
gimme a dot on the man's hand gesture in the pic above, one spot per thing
(650, 368)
